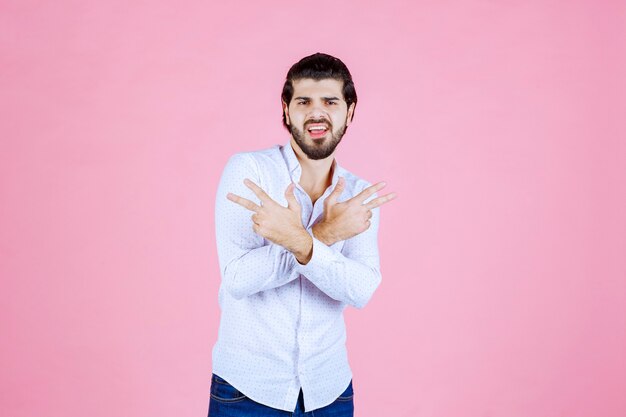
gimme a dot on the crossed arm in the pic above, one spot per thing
(248, 265)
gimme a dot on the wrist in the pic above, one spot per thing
(322, 233)
(303, 249)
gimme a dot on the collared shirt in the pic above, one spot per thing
(282, 326)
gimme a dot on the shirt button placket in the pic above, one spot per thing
(307, 209)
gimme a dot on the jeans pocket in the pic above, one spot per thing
(348, 394)
(223, 391)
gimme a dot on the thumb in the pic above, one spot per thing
(292, 201)
(332, 197)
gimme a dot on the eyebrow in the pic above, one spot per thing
(324, 98)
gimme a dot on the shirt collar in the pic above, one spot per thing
(295, 170)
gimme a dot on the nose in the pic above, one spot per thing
(318, 112)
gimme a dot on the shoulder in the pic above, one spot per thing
(255, 160)
(259, 158)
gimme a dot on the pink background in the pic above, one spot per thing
(503, 262)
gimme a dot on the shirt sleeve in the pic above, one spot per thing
(351, 275)
(248, 262)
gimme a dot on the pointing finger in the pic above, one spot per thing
(244, 202)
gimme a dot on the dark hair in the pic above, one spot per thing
(319, 66)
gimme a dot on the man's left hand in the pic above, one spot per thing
(279, 224)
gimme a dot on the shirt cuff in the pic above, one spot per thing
(292, 262)
(321, 258)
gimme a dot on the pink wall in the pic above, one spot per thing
(503, 261)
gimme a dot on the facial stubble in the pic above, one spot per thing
(318, 148)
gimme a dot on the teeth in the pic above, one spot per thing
(317, 128)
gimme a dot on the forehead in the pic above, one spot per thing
(308, 87)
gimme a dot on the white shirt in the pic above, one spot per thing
(282, 325)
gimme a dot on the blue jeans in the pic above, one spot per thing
(227, 401)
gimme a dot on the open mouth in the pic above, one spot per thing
(317, 130)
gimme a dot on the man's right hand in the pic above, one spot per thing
(344, 220)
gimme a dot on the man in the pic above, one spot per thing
(297, 243)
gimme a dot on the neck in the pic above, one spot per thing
(316, 173)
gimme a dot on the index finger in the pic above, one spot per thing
(244, 202)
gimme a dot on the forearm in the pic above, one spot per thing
(301, 246)
(247, 267)
(322, 233)
(351, 274)
(352, 281)
(258, 269)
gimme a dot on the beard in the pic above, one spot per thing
(318, 148)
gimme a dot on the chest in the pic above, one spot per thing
(312, 205)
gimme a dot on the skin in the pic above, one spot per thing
(283, 225)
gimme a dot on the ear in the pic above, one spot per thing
(286, 111)
(350, 114)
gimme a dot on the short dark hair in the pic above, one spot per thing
(319, 66)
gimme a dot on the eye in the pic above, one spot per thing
(332, 102)
(302, 102)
